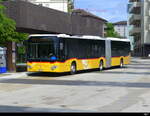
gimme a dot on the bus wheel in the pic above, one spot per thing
(121, 63)
(101, 66)
(73, 68)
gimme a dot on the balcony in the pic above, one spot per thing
(134, 31)
(134, 18)
(135, 7)
(147, 23)
(148, 27)
(148, 12)
(134, 0)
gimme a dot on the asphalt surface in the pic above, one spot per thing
(113, 90)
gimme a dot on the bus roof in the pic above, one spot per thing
(81, 37)
(117, 39)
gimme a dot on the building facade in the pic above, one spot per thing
(121, 28)
(139, 26)
(61, 5)
(89, 16)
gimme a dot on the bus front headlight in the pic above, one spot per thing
(53, 67)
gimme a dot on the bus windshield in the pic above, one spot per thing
(42, 48)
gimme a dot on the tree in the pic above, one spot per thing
(70, 6)
(8, 35)
(110, 32)
(8, 29)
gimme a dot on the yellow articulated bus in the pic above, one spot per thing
(63, 53)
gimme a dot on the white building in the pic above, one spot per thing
(61, 5)
(139, 26)
(121, 28)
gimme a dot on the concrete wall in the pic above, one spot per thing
(87, 26)
(31, 18)
(38, 18)
(146, 25)
(61, 5)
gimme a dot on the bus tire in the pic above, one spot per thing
(121, 63)
(101, 66)
(73, 69)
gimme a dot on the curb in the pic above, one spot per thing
(15, 75)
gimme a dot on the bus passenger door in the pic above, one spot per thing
(108, 53)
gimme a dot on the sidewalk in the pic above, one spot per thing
(12, 75)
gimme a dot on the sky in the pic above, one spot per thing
(111, 10)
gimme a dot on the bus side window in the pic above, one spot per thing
(65, 49)
(61, 46)
(61, 50)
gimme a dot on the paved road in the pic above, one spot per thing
(113, 90)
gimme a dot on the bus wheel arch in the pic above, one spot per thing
(73, 68)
